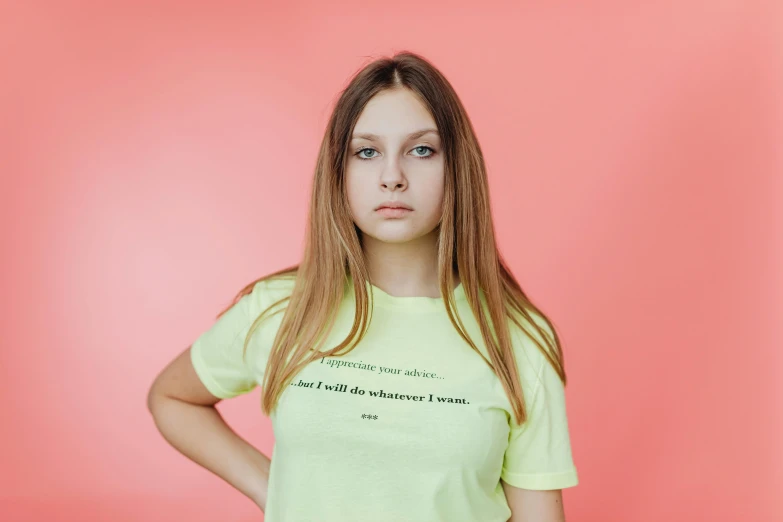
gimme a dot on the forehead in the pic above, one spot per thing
(394, 114)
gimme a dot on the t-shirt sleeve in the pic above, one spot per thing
(217, 354)
(538, 455)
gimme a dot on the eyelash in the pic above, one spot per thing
(357, 154)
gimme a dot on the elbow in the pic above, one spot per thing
(154, 397)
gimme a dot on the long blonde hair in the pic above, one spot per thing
(333, 250)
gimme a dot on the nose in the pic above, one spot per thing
(392, 176)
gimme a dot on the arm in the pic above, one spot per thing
(529, 505)
(185, 414)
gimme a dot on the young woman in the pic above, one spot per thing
(407, 375)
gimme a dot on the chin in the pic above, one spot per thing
(388, 237)
(394, 234)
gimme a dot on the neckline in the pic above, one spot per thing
(410, 303)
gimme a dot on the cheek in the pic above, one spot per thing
(356, 193)
(434, 193)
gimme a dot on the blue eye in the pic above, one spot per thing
(358, 154)
(432, 152)
(420, 147)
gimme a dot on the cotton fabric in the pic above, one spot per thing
(412, 425)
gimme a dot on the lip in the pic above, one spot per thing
(393, 212)
(394, 205)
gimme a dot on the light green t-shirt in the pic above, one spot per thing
(412, 425)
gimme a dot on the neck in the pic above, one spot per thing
(406, 269)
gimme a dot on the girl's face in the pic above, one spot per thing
(395, 156)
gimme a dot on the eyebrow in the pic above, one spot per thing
(412, 136)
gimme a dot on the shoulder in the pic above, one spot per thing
(532, 330)
(530, 358)
(269, 292)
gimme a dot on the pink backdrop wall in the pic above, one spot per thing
(155, 159)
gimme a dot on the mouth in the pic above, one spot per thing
(393, 205)
(394, 212)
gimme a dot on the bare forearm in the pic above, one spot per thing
(201, 434)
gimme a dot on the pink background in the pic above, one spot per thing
(156, 158)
